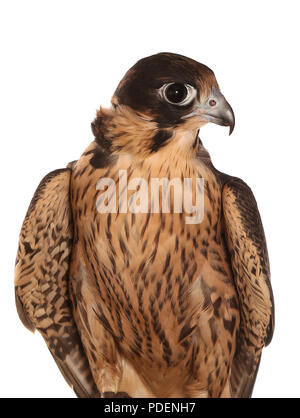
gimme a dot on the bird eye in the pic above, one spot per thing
(177, 93)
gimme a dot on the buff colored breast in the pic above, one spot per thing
(166, 286)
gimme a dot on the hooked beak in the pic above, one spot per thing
(217, 110)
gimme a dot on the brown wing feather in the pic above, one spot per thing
(41, 279)
(250, 264)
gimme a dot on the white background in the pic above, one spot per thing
(61, 59)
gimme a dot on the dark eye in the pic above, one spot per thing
(177, 93)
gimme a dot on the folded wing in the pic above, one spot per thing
(41, 279)
(250, 264)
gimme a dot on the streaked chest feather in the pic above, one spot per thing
(158, 275)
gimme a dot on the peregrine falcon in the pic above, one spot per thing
(133, 300)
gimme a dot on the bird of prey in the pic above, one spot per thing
(137, 303)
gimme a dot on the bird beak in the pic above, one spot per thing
(215, 109)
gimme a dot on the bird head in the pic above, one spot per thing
(166, 93)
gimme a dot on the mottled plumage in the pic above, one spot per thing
(144, 304)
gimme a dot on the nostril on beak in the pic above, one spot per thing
(212, 103)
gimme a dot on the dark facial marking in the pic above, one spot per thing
(160, 139)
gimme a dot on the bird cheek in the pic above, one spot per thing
(195, 119)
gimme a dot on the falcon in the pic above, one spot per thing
(142, 303)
